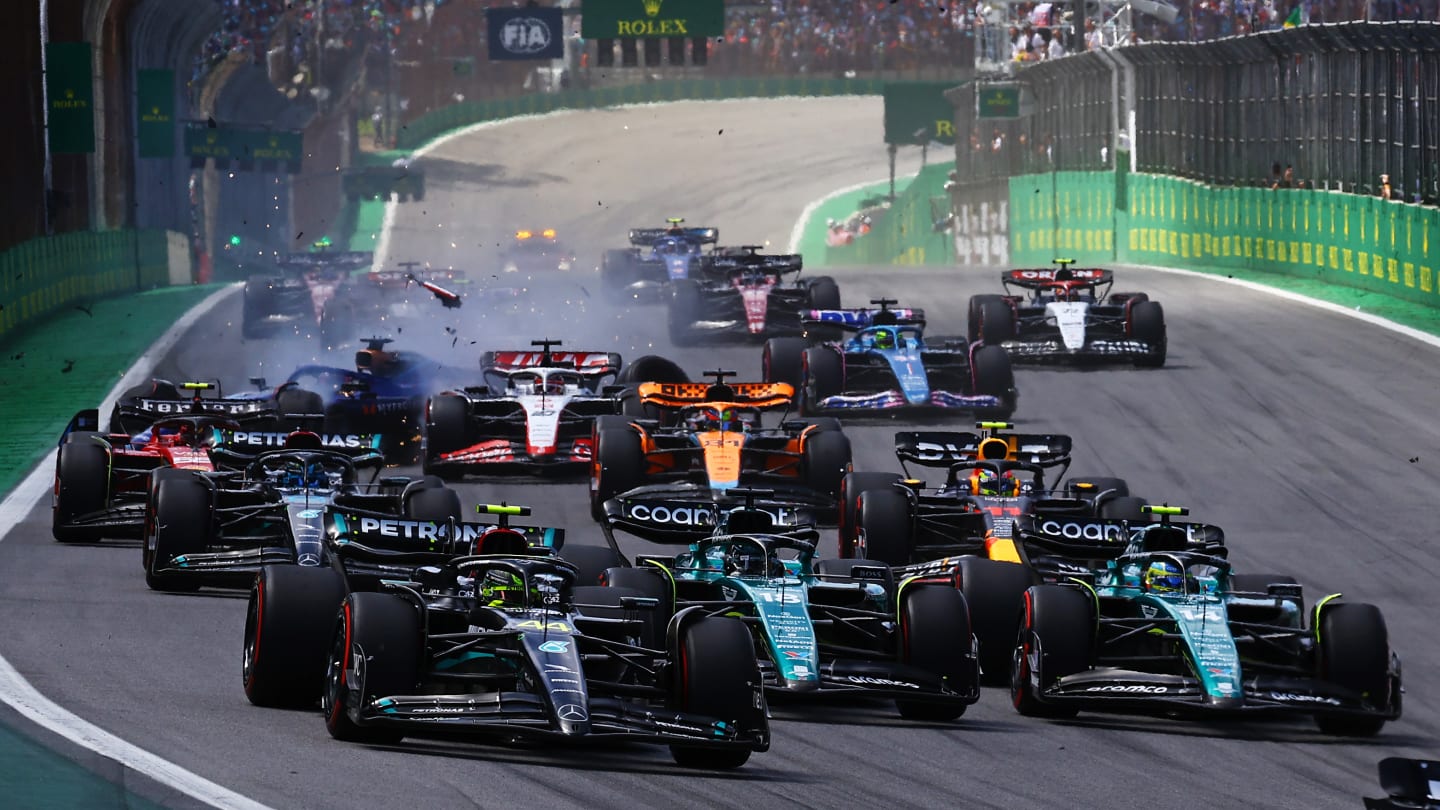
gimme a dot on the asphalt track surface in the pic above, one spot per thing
(1308, 436)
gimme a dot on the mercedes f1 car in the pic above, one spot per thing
(537, 252)
(1069, 318)
(744, 294)
(698, 440)
(535, 413)
(219, 528)
(1166, 627)
(888, 364)
(656, 258)
(838, 628)
(488, 636)
(296, 295)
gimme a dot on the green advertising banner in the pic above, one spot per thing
(914, 106)
(70, 97)
(155, 113)
(997, 101)
(620, 19)
(229, 143)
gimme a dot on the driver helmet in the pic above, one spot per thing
(749, 560)
(884, 338)
(505, 589)
(988, 482)
(554, 384)
(1164, 577)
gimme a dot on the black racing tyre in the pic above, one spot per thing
(616, 273)
(935, 635)
(337, 326)
(783, 360)
(254, 309)
(1355, 654)
(991, 373)
(1059, 622)
(995, 592)
(299, 402)
(824, 374)
(714, 677)
(824, 460)
(974, 315)
(82, 486)
(632, 406)
(652, 368)
(885, 526)
(382, 658)
(181, 524)
(1127, 507)
(652, 583)
(1099, 486)
(337, 419)
(287, 629)
(446, 422)
(1147, 323)
(824, 293)
(591, 561)
(849, 506)
(435, 504)
(683, 310)
(619, 466)
(997, 323)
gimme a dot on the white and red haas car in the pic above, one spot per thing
(535, 413)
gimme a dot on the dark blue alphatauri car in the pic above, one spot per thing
(656, 258)
(888, 364)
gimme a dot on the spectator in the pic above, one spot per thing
(1385, 191)
(1287, 180)
(1056, 50)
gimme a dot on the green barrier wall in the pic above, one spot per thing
(906, 234)
(42, 276)
(1342, 239)
(440, 121)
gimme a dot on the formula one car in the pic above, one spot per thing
(1165, 627)
(888, 364)
(412, 297)
(656, 257)
(491, 638)
(842, 628)
(706, 439)
(1069, 318)
(537, 252)
(139, 407)
(743, 294)
(535, 413)
(1410, 784)
(295, 296)
(219, 528)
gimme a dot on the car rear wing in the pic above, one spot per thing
(775, 263)
(1037, 278)
(857, 319)
(749, 395)
(337, 260)
(944, 448)
(1116, 537)
(667, 514)
(589, 363)
(645, 237)
(383, 537)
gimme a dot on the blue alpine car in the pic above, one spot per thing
(656, 258)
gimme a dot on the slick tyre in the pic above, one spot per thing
(992, 374)
(885, 527)
(445, 426)
(783, 361)
(824, 461)
(824, 293)
(1058, 626)
(436, 504)
(823, 370)
(1355, 654)
(287, 627)
(995, 592)
(375, 652)
(1125, 508)
(934, 636)
(591, 561)
(294, 402)
(619, 466)
(181, 525)
(974, 316)
(82, 486)
(715, 676)
(1147, 323)
(616, 273)
(652, 368)
(683, 311)
(849, 507)
(997, 322)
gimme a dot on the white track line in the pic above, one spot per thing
(20, 695)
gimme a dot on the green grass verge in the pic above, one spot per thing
(34, 776)
(812, 234)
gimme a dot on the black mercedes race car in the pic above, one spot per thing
(293, 297)
(1069, 317)
(744, 294)
(490, 637)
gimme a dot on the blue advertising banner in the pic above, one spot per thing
(525, 33)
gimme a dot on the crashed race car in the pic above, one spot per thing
(888, 364)
(828, 628)
(412, 297)
(697, 440)
(656, 258)
(743, 294)
(295, 296)
(537, 252)
(218, 528)
(534, 414)
(488, 637)
(1166, 627)
(1069, 317)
